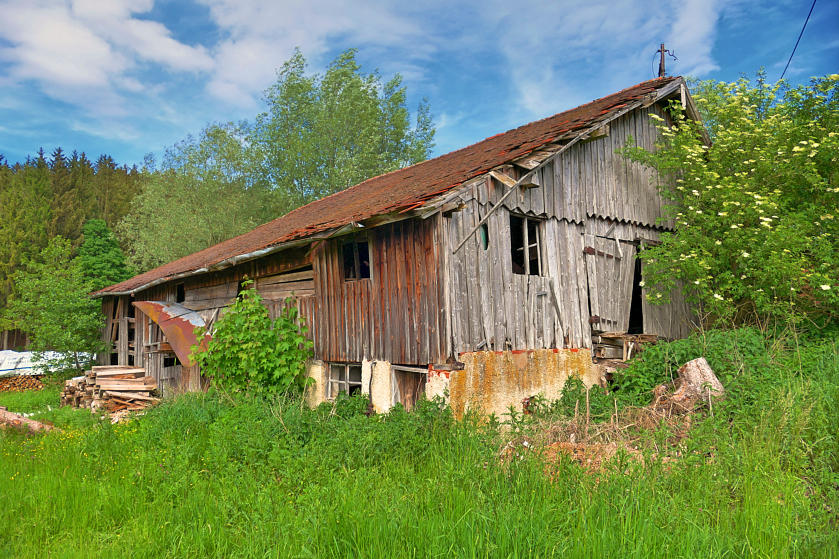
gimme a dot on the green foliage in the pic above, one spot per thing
(322, 134)
(250, 352)
(44, 197)
(100, 256)
(225, 476)
(756, 212)
(50, 302)
(203, 194)
(727, 352)
(319, 134)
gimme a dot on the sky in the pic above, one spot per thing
(131, 77)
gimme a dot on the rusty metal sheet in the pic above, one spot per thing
(178, 324)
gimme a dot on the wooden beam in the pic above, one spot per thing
(506, 180)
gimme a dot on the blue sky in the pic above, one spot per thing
(129, 77)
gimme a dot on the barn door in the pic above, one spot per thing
(610, 269)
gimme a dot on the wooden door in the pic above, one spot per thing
(610, 267)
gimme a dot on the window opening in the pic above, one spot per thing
(409, 386)
(343, 377)
(636, 308)
(484, 235)
(180, 293)
(525, 244)
(169, 361)
(356, 259)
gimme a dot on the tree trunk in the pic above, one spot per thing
(17, 421)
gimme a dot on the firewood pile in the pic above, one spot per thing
(113, 388)
(20, 383)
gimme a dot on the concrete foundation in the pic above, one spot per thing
(492, 381)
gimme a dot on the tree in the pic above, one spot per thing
(251, 352)
(203, 195)
(319, 134)
(42, 198)
(50, 302)
(322, 134)
(100, 257)
(756, 212)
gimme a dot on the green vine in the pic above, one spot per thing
(249, 352)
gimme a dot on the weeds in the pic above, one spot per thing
(208, 476)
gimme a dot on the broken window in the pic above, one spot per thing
(356, 258)
(343, 377)
(408, 385)
(525, 244)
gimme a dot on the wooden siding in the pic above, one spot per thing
(589, 180)
(397, 314)
(583, 272)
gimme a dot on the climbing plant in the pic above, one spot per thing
(252, 353)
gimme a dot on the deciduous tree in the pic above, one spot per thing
(50, 302)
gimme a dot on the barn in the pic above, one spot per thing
(487, 275)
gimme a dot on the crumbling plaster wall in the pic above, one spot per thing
(492, 380)
(380, 389)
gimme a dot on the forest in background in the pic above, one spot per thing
(318, 133)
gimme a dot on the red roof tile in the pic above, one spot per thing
(397, 190)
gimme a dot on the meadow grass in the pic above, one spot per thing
(204, 475)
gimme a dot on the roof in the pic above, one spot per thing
(405, 188)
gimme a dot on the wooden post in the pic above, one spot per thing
(661, 52)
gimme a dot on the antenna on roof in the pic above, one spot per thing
(662, 51)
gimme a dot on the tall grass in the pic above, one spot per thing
(203, 476)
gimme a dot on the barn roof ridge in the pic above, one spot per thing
(393, 191)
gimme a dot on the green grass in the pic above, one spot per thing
(201, 476)
(43, 405)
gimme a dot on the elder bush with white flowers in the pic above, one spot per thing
(756, 213)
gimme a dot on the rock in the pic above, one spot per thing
(696, 383)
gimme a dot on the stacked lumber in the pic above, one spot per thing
(113, 388)
(620, 346)
(20, 382)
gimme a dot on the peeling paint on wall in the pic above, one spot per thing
(492, 381)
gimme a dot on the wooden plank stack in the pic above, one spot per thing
(111, 387)
(617, 345)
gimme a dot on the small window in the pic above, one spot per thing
(343, 377)
(356, 258)
(180, 293)
(169, 361)
(526, 246)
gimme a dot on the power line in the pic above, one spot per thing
(799, 39)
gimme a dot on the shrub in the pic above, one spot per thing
(250, 352)
(757, 211)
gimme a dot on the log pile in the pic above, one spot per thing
(20, 383)
(113, 388)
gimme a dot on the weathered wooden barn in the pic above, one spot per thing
(488, 274)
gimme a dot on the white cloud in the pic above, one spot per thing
(87, 53)
(693, 33)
